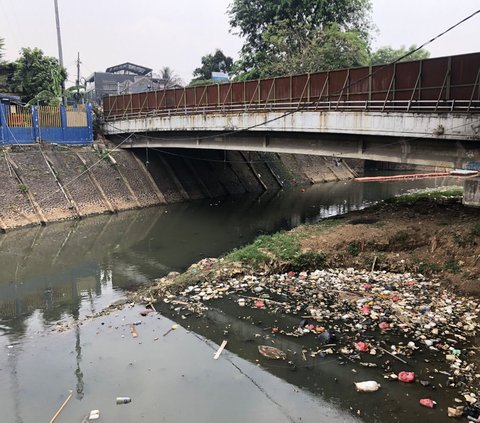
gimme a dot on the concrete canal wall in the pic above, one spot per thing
(41, 184)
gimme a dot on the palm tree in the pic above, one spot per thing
(170, 77)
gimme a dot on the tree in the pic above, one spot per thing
(216, 62)
(296, 23)
(294, 52)
(388, 54)
(7, 70)
(170, 77)
(38, 78)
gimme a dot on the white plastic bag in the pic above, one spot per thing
(367, 386)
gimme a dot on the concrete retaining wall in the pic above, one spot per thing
(41, 184)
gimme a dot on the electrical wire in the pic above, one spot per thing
(278, 117)
(402, 141)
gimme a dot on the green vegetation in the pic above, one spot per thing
(38, 78)
(386, 55)
(400, 238)
(23, 188)
(171, 79)
(216, 62)
(468, 239)
(282, 246)
(290, 36)
(452, 265)
(427, 268)
(354, 248)
(283, 249)
(424, 195)
(307, 261)
(475, 230)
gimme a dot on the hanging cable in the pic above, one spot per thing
(305, 106)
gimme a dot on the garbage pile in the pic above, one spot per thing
(374, 319)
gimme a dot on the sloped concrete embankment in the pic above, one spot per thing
(44, 184)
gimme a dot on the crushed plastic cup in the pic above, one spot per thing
(361, 346)
(427, 402)
(406, 377)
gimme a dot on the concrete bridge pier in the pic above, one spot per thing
(471, 192)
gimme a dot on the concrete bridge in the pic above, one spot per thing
(424, 112)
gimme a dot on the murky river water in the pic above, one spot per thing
(68, 271)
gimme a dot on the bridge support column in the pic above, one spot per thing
(471, 192)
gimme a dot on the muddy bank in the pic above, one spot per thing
(429, 233)
(42, 184)
(374, 289)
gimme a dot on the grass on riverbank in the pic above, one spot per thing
(426, 195)
(283, 250)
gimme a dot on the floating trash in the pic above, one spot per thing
(271, 352)
(367, 386)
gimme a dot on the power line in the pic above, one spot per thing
(305, 106)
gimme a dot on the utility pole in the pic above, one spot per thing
(60, 52)
(77, 82)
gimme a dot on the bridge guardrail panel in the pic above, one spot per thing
(438, 80)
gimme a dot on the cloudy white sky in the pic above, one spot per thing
(157, 33)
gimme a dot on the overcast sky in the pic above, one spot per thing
(157, 33)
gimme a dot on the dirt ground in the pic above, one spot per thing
(425, 236)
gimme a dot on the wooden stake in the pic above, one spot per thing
(393, 355)
(219, 351)
(61, 407)
(374, 262)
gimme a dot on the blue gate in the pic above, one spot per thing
(59, 125)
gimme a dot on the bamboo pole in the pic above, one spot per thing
(61, 407)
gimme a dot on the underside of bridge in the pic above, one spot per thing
(416, 151)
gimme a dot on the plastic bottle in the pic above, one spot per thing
(123, 400)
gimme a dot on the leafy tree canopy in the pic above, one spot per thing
(277, 30)
(38, 78)
(216, 62)
(197, 82)
(293, 52)
(386, 55)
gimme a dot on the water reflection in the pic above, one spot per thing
(77, 268)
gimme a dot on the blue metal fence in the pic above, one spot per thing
(58, 125)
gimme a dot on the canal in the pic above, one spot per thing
(53, 279)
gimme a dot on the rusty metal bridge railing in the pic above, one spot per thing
(438, 85)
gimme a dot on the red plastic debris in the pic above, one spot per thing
(410, 283)
(302, 190)
(361, 346)
(310, 327)
(291, 274)
(395, 298)
(406, 377)
(367, 286)
(365, 309)
(426, 402)
(383, 326)
(259, 304)
(320, 329)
